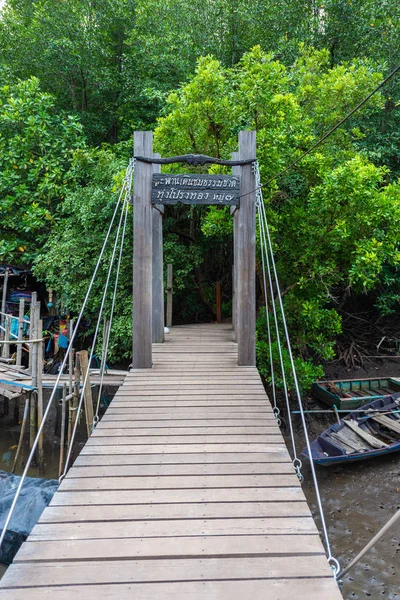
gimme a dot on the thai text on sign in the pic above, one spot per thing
(195, 189)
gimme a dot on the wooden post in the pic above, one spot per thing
(62, 433)
(246, 257)
(7, 327)
(21, 313)
(235, 212)
(87, 390)
(31, 337)
(73, 406)
(40, 346)
(158, 270)
(142, 253)
(169, 295)
(3, 301)
(218, 300)
(33, 351)
(70, 357)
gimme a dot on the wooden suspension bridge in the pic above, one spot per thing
(185, 488)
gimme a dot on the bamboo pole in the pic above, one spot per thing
(40, 346)
(62, 434)
(169, 295)
(21, 312)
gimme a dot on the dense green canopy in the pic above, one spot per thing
(78, 77)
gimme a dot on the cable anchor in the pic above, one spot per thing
(297, 464)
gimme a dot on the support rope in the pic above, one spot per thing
(266, 238)
(64, 362)
(126, 188)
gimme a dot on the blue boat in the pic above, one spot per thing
(372, 431)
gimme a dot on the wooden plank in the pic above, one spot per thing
(166, 470)
(172, 527)
(370, 439)
(111, 421)
(104, 572)
(142, 253)
(103, 430)
(193, 510)
(387, 422)
(177, 448)
(173, 496)
(243, 545)
(271, 453)
(182, 482)
(290, 589)
(126, 439)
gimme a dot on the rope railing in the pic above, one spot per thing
(119, 202)
(270, 264)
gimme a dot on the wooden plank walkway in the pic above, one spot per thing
(185, 490)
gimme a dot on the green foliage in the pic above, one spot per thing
(68, 258)
(306, 370)
(36, 146)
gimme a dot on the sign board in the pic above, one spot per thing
(195, 189)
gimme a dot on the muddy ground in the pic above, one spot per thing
(358, 500)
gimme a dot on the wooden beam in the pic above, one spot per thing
(142, 253)
(169, 295)
(235, 214)
(158, 270)
(246, 254)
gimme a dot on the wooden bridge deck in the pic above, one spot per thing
(185, 490)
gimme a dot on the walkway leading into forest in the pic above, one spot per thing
(184, 491)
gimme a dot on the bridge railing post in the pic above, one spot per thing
(158, 269)
(142, 253)
(245, 243)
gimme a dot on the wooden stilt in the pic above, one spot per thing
(169, 295)
(40, 346)
(62, 434)
(21, 312)
(87, 390)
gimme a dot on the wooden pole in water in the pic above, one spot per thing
(169, 295)
(31, 326)
(70, 357)
(158, 269)
(3, 300)
(142, 253)
(62, 433)
(33, 351)
(73, 409)
(246, 254)
(40, 346)
(7, 327)
(87, 391)
(21, 312)
(22, 432)
(218, 301)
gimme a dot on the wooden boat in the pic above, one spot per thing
(372, 431)
(349, 394)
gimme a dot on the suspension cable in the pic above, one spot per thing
(271, 361)
(126, 190)
(64, 362)
(107, 340)
(327, 134)
(331, 560)
(297, 464)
